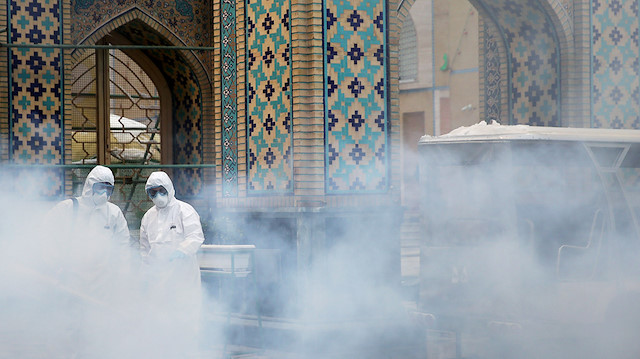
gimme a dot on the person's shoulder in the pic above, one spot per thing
(150, 211)
(65, 203)
(61, 210)
(186, 207)
(114, 207)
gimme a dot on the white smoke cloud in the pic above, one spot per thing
(489, 279)
(58, 300)
(492, 275)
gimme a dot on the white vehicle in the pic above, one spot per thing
(532, 247)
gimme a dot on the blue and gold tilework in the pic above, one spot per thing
(35, 88)
(269, 102)
(492, 91)
(229, 101)
(356, 115)
(190, 20)
(35, 83)
(534, 61)
(615, 64)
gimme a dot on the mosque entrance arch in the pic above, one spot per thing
(177, 111)
(510, 61)
(120, 108)
(527, 68)
(526, 50)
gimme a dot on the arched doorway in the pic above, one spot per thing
(181, 95)
(525, 63)
(137, 101)
(503, 60)
(530, 46)
(120, 108)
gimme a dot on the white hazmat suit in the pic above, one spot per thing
(94, 234)
(88, 256)
(170, 237)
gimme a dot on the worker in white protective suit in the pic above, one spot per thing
(170, 237)
(86, 260)
(93, 233)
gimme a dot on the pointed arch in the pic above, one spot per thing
(136, 13)
(573, 92)
(408, 51)
(536, 59)
(186, 80)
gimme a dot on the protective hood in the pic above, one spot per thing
(97, 174)
(160, 178)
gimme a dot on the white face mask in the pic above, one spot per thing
(160, 200)
(99, 199)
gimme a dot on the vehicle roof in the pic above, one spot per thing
(496, 132)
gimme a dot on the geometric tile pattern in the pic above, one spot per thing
(269, 100)
(186, 103)
(492, 90)
(35, 83)
(356, 116)
(35, 117)
(229, 100)
(189, 20)
(534, 59)
(615, 64)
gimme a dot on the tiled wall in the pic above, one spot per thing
(189, 20)
(356, 113)
(184, 75)
(615, 64)
(269, 102)
(599, 86)
(533, 62)
(34, 125)
(229, 99)
(493, 73)
(280, 99)
(35, 83)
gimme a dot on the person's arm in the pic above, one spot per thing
(121, 232)
(59, 216)
(192, 229)
(145, 247)
(58, 225)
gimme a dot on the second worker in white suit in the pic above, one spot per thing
(170, 237)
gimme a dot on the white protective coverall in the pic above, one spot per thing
(170, 237)
(88, 256)
(94, 238)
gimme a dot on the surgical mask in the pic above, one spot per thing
(100, 199)
(160, 200)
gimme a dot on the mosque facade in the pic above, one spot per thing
(291, 111)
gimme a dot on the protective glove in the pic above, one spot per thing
(176, 255)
